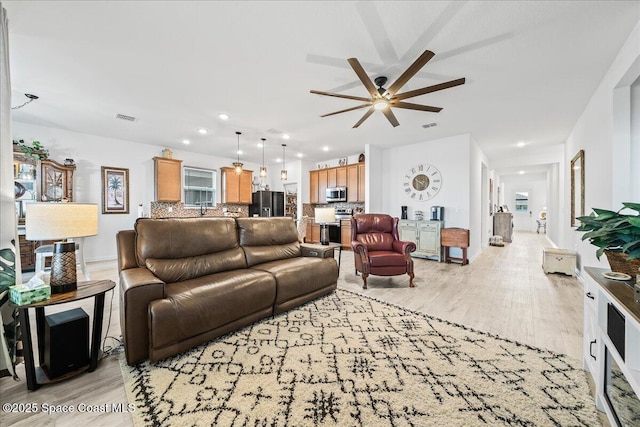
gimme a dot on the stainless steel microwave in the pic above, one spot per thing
(336, 194)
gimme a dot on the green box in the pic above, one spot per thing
(21, 295)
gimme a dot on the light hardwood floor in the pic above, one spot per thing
(503, 291)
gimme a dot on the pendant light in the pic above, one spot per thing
(283, 172)
(263, 168)
(237, 163)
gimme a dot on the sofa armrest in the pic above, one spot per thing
(316, 251)
(403, 247)
(138, 287)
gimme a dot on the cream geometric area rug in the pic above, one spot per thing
(349, 360)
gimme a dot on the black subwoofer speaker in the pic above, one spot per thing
(66, 342)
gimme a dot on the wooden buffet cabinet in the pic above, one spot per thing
(350, 176)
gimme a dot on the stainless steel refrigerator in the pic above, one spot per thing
(267, 203)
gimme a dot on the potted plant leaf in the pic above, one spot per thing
(617, 235)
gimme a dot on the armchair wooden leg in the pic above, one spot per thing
(411, 276)
(364, 280)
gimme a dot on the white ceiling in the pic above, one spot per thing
(531, 68)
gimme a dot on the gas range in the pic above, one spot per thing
(344, 213)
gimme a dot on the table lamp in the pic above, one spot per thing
(61, 221)
(324, 216)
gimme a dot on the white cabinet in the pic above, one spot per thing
(426, 236)
(611, 346)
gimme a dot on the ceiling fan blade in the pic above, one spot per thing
(345, 110)
(338, 95)
(364, 78)
(411, 106)
(429, 89)
(365, 117)
(410, 72)
(390, 116)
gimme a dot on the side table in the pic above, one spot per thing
(455, 237)
(93, 289)
(320, 251)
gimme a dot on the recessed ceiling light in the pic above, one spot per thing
(186, 142)
(299, 155)
(202, 131)
(285, 136)
(239, 152)
(521, 144)
(278, 160)
(223, 116)
(521, 172)
(259, 144)
(325, 148)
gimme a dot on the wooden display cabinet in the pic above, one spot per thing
(56, 181)
(168, 179)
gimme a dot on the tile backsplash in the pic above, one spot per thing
(168, 210)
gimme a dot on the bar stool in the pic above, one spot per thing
(44, 251)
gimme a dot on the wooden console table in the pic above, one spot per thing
(92, 289)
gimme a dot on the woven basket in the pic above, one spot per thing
(621, 264)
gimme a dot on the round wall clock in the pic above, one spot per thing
(422, 182)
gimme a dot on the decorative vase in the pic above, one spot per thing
(620, 263)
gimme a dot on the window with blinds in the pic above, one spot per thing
(199, 187)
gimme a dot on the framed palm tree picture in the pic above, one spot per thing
(115, 190)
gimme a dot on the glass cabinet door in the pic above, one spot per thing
(56, 181)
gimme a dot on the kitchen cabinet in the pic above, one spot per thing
(345, 233)
(341, 176)
(426, 236)
(168, 180)
(313, 232)
(322, 185)
(313, 187)
(236, 188)
(355, 183)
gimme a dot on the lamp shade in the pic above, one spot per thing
(56, 221)
(325, 215)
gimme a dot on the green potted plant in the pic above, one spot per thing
(35, 150)
(617, 235)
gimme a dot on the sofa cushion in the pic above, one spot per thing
(177, 270)
(187, 240)
(268, 239)
(195, 306)
(300, 276)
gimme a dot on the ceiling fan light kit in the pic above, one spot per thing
(385, 99)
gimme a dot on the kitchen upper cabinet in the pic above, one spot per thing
(236, 188)
(313, 186)
(322, 185)
(355, 183)
(168, 179)
(341, 176)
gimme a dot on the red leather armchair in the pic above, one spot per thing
(377, 248)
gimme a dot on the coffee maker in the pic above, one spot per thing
(437, 213)
(404, 212)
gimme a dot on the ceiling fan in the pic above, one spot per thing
(384, 99)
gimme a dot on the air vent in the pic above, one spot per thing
(429, 125)
(125, 117)
(274, 131)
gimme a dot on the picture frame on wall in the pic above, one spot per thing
(115, 190)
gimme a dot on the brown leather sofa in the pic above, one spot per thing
(185, 281)
(377, 248)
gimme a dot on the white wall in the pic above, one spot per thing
(536, 186)
(90, 153)
(459, 161)
(607, 173)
